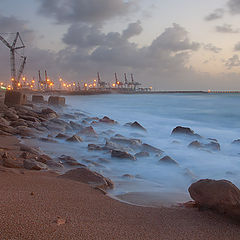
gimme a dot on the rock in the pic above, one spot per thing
(49, 113)
(76, 126)
(29, 149)
(142, 154)
(114, 146)
(74, 138)
(8, 129)
(32, 164)
(11, 116)
(25, 131)
(237, 142)
(60, 221)
(5, 133)
(92, 163)
(3, 121)
(222, 196)
(29, 118)
(94, 147)
(43, 158)
(62, 136)
(184, 132)
(103, 160)
(88, 131)
(213, 146)
(133, 143)
(11, 161)
(149, 148)
(68, 160)
(128, 176)
(19, 122)
(87, 176)
(138, 126)
(49, 140)
(107, 120)
(121, 154)
(68, 116)
(168, 160)
(195, 144)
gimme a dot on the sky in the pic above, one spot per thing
(167, 44)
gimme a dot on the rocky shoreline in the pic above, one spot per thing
(22, 126)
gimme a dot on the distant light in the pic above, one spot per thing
(19, 84)
(85, 85)
(209, 90)
(114, 85)
(94, 80)
(12, 79)
(23, 78)
(33, 81)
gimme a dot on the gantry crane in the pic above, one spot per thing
(13, 48)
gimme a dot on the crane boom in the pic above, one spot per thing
(21, 68)
(5, 42)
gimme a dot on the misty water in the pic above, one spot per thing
(210, 115)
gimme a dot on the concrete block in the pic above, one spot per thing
(56, 100)
(37, 98)
(13, 98)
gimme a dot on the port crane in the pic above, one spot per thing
(100, 82)
(13, 51)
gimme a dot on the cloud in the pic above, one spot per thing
(234, 61)
(217, 14)
(212, 48)
(227, 28)
(237, 47)
(234, 6)
(132, 30)
(88, 11)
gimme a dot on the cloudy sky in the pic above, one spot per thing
(167, 44)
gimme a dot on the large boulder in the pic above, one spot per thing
(32, 164)
(75, 139)
(221, 195)
(70, 161)
(87, 176)
(168, 160)
(88, 131)
(107, 120)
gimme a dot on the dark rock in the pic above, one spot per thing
(62, 136)
(3, 121)
(76, 126)
(49, 140)
(149, 148)
(128, 176)
(74, 138)
(92, 163)
(126, 141)
(168, 160)
(142, 154)
(8, 129)
(94, 147)
(43, 158)
(29, 149)
(88, 131)
(237, 142)
(222, 196)
(138, 126)
(213, 146)
(107, 120)
(195, 144)
(19, 122)
(10, 161)
(31, 164)
(103, 160)
(70, 161)
(121, 154)
(11, 116)
(25, 131)
(114, 146)
(89, 177)
(184, 132)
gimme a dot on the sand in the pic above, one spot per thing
(31, 202)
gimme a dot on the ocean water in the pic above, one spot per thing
(210, 115)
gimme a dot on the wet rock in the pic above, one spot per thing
(49, 113)
(107, 120)
(189, 174)
(128, 176)
(88, 131)
(49, 140)
(92, 163)
(25, 131)
(237, 142)
(61, 136)
(5, 133)
(142, 154)
(3, 121)
(195, 144)
(10, 161)
(32, 164)
(214, 146)
(29, 149)
(114, 146)
(8, 129)
(43, 158)
(29, 118)
(94, 147)
(123, 155)
(138, 126)
(76, 126)
(149, 148)
(133, 143)
(70, 161)
(74, 138)
(222, 196)
(68, 116)
(168, 160)
(11, 116)
(184, 132)
(103, 160)
(87, 176)
(19, 122)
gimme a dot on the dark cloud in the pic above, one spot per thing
(211, 47)
(237, 47)
(217, 14)
(132, 30)
(234, 6)
(234, 61)
(227, 28)
(88, 11)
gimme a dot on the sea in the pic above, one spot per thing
(213, 116)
